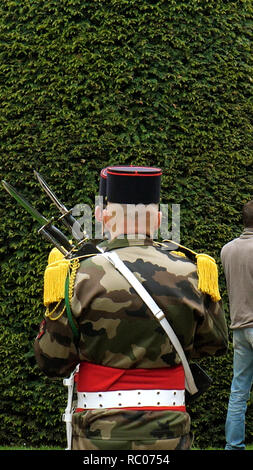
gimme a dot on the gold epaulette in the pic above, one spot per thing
(59, 280)
(55, 277)
(207, 270)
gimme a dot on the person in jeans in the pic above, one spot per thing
(237, 261)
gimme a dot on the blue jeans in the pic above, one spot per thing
(240, 388)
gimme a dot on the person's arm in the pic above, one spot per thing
(211, 335)
(54, 347)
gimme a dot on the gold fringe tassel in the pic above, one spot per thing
(207, 271)
(208, 276)
(55, 277)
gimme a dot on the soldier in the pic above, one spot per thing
(131, 381)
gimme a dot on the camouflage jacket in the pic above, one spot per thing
(118, 330)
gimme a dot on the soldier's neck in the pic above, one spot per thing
(130, 235)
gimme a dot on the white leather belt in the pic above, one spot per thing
(130, 398)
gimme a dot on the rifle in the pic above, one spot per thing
(48, 230)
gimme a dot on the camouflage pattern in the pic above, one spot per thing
(131, 430)
(118, 330)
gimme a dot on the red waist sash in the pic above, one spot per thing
(96, 378)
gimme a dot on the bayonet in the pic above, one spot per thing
(51, 194)
(24, 203)
(68, 220)
(47, 230)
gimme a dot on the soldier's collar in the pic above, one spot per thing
(123, 242)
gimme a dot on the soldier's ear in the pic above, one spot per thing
(106, 216)
(99, 213)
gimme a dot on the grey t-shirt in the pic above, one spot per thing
(237, 261)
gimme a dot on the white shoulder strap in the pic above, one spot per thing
(158, 313)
